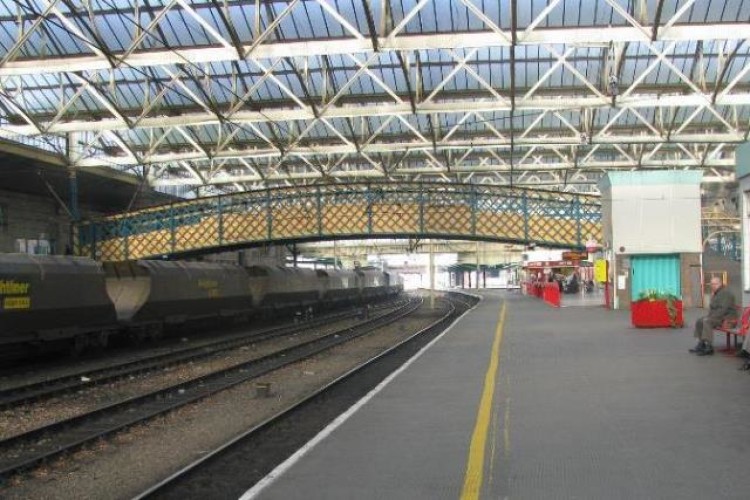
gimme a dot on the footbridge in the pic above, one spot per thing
(338, 211)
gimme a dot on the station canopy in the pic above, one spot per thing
(203, 97)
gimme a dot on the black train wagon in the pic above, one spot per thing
(285, 288)
(340, 286)
(165, 292)
(46, 298)
(371, 283)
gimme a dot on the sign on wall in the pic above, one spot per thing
(600, 270)
(573, 255)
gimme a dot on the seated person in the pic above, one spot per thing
(720, 308)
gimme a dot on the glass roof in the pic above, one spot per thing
(200, 97)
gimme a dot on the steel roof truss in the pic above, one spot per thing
(13, 51)
(190, 93)
(408, 42)
(269, 29)
(696, 138)
(340, 19)
(575, 72)
(533, 124)
(547, 74)
(690, 119)
(576, 132)
(351, 111)
(206, 25)
(135, 159)
(376, 133)
(281, 84)
(541, 17)
(151, 103)
(140, 35)
(376, 79)
(461, 63)
(486, 20)
(414, 130)
(73, 29)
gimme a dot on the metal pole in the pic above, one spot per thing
(335, 255)
(432, 276)
(73, 181)
(477, 250)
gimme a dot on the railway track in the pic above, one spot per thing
(233, 468)
(26, 450)
(79, 379)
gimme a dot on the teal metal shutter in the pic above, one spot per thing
(655, 272)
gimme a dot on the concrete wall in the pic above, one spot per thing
(691, 279)
(31, 217)
(622, 268)
(269, 256)
(652, 212)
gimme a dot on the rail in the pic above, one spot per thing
(199, 479)
(64, 436)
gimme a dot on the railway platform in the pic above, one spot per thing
(535, 403)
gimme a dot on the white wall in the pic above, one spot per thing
(660, 218)
(743, 174)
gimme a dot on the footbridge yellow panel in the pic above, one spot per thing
(360, 210)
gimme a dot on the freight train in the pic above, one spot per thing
(46, 299)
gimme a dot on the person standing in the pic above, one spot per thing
(720, 308)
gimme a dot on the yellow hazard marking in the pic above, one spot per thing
(475, 465)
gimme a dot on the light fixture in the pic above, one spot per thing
(612, 86)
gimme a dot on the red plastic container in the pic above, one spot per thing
(654, 314)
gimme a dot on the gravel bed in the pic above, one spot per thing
(26, 417)
(135, 459)
(192, 337)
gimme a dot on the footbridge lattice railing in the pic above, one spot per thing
(355, 210)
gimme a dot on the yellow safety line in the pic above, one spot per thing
(475, 465)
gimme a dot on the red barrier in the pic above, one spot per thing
(548, 292)
(532, 289)
(552, 294)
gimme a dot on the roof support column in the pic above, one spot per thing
(70, 157)
(73, 186)
(514, 41)
(432, 275)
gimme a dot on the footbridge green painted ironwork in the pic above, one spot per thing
(336, 211)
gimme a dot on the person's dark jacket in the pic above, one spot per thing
(722, 306)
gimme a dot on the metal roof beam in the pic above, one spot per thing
(593, 167)
(425, 146)
(595, 36)
(461, 105)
